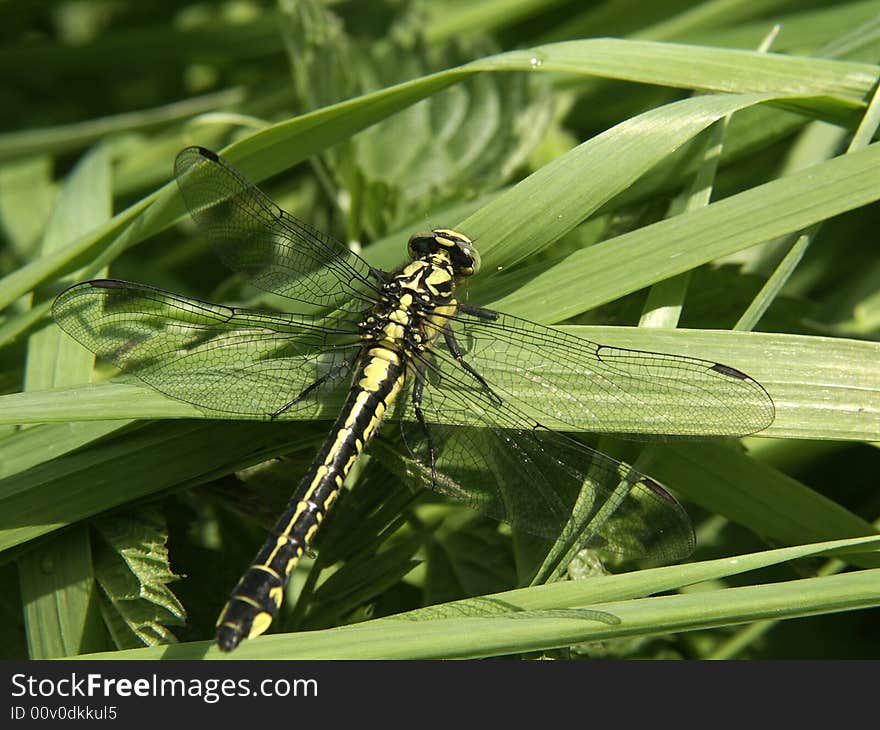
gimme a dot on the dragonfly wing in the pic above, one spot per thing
(599, 388)
(536, 479)
(275, 250)
(225, 360)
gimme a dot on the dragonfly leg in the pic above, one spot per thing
(489, 315)
(455, 351)
(380, 275)
(329, 375)
(417, 391)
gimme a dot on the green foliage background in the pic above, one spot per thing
(678, 165)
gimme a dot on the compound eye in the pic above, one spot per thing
(421, 244)
(467, 259)
(461, 251)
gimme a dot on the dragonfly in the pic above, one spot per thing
(471, 388)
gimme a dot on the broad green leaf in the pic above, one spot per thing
(458, 142)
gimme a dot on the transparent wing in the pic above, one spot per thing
(534, 478)
(275, 250)
(482, 441)
(598, 388)
(225, 360)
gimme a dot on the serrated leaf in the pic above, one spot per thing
(133, 573)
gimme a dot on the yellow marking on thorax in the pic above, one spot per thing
(412, 268)
(394, 332)
(400, 316)
(433, 325)
(438, 277)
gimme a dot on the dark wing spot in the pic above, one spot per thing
(729, 371)
(205, 152)
(658, 490)
(107, 284)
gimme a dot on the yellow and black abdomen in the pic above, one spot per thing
(412, 313)
(256, 599)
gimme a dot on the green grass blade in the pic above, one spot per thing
(515, 224)
(84, 203)
(57, 580)
(823, 387)
(58, 592)
(697, 67)
(277, 148)
(57, 140)
(29, 447)
(530, 619)
(671, 246)
(776, 507)
(134, 465)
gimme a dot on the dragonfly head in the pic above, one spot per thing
(457, 247)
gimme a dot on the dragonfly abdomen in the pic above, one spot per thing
(255, 601)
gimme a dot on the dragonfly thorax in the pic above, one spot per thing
(415, 304)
